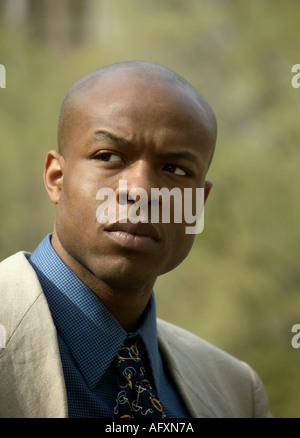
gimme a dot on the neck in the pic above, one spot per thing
(127, 308)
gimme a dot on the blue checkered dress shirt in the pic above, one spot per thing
(89, 338)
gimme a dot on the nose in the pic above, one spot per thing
(138, 178)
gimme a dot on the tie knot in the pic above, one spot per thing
(129, 350)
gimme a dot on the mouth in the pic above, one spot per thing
(139, 237)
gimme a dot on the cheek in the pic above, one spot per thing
(76, 210)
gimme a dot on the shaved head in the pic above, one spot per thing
(141, 123)
(147, 72)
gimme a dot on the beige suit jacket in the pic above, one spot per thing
(211, 382)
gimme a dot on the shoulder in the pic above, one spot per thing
(13, 266)
(19, 289)
(188, 341)
(188, 345)
(30, 362)
(16, 274)
(220, 375)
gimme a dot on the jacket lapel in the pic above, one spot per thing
(200, 395)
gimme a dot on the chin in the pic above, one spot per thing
(124, 273)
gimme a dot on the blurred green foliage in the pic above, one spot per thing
(239, 287)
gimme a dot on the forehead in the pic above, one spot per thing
(147, 103)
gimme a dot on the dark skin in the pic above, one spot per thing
(150, 132)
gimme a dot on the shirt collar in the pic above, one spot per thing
(91, 333)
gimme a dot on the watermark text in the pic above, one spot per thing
(296, 337)
(166, 206)
(296, 77)
(2, 76)
(2, 336)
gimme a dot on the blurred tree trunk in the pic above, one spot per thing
(59, 21)
(15, 12)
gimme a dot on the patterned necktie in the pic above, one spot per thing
(136, 397)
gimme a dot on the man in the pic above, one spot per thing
(69, 307)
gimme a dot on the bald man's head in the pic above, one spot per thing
(138, 71)
(144, 125)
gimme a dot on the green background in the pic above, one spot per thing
(239, 287)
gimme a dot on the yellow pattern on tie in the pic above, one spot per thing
(136, 397)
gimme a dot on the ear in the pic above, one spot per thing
(53, 175)
(207, 188)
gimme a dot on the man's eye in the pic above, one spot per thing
(175, 169)
(109, 157)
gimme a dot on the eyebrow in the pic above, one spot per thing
(186, 155)
(105, 135)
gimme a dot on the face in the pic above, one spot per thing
(150, 134)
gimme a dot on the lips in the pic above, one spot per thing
(140, 236)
